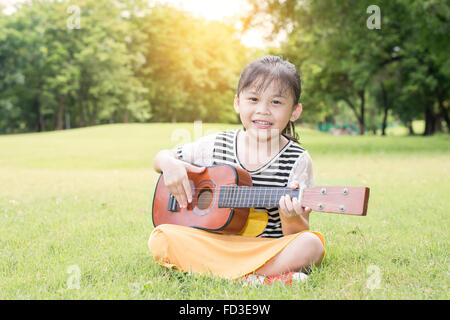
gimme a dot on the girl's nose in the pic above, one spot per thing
(263, 107)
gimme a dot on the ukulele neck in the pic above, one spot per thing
(248, 197)
(336, 199)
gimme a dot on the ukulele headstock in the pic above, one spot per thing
(337, 199)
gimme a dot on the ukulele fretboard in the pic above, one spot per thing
(248, 197)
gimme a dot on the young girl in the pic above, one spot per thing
(276, 243)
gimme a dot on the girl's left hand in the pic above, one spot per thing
(292, 207)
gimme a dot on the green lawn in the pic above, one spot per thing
(76, 205)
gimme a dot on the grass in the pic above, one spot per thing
(76, 204)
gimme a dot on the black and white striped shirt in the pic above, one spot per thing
(292, 162)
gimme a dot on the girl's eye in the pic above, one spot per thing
(253, 99)
(276, 102)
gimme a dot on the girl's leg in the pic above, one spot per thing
(302, 252)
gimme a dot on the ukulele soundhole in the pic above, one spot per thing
(204, 198)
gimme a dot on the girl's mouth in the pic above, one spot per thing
(262, 124)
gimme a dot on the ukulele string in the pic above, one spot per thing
(242, 199)
(255, 198)
(265, 189)
(277, 191)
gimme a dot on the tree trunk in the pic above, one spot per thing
(362, 106)
(438, 123)
(359, 117)
(59, 119)
(429, 121)
(443, 111)
(411, 130)
(40, 122)
(386, 109)
(93, 110)
(67, 120)
(384, 124)
(125, 116)
(81, 120)
(83, 97)
(37, 121)
(93, 114)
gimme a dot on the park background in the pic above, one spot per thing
(90, 91)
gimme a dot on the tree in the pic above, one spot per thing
(66, 64)
(192, 67)
(91, 67)
(343, 57)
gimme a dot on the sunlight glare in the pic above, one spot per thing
(222, 11)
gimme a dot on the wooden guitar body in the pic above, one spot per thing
(204, 212)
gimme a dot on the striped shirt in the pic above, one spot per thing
(277, 172)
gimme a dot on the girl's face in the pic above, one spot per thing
(266, 113)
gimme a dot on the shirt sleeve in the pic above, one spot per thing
(302, 171)
(199, 152)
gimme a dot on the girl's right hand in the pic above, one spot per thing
(176, 179)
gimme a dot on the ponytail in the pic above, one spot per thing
(289, 132)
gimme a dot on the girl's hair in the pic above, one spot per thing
(262, 72)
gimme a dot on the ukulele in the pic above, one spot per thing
(223, 195)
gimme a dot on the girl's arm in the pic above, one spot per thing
(175, 163)
(163, 157)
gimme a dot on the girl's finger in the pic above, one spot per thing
(180, 196)
(187, 189)
(294, 185)
(297, 206)
(174, 191)
(289, 205)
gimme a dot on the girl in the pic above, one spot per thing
(276, 243)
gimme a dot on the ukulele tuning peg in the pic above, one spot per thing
(323, 191)
(341, 208)
(345, 191)
(320, 206)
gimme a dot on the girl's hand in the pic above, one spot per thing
(292, 212)
(176, 179)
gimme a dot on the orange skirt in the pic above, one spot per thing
(227, 256)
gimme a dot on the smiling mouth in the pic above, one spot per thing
(263, 123)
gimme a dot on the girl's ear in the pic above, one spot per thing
(297, 112)
(236, 103)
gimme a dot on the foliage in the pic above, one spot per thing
(113, 62)
(192, 67)
(140, 61)
(342, 59)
